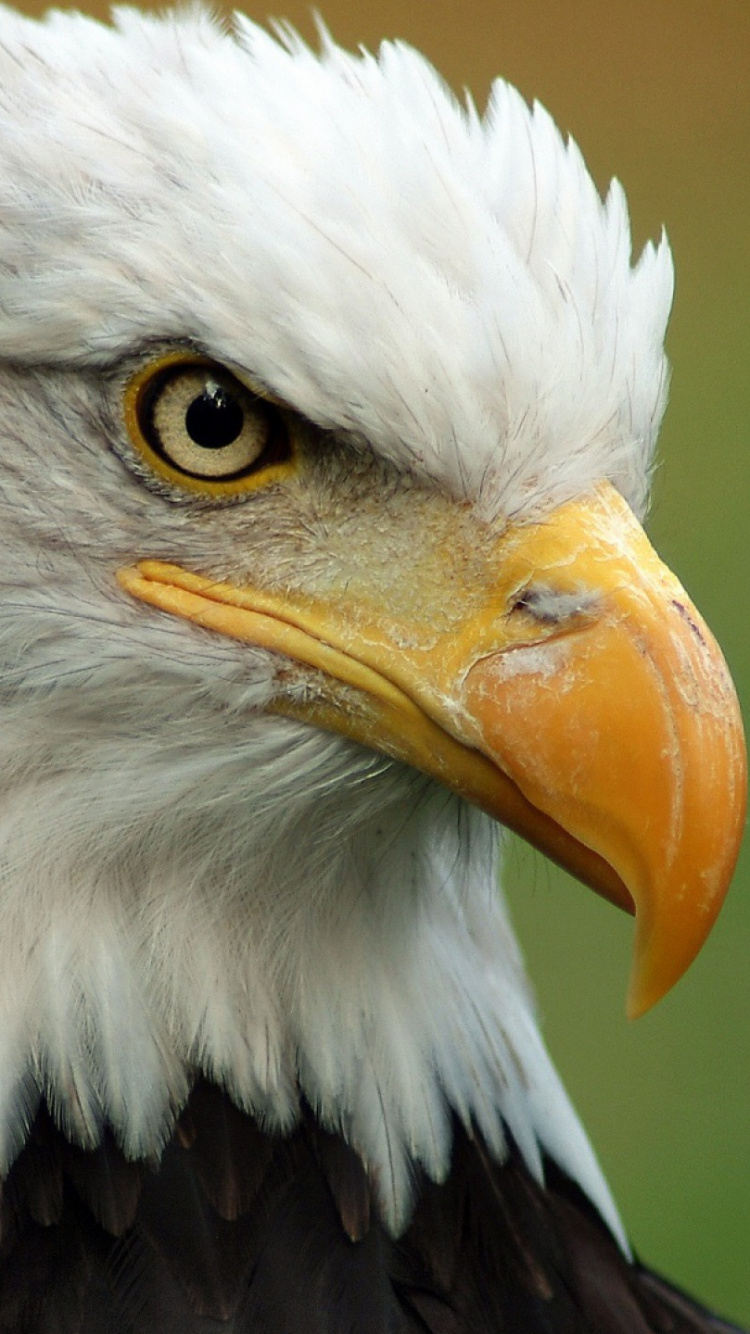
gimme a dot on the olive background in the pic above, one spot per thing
(656, 92)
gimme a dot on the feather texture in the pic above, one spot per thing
(132, 149)
(236, 1230)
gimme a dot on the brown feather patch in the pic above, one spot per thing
(347, 1180)
(255, 1234)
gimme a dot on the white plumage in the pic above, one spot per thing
(168, 182)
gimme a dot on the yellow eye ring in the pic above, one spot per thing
(201, 429)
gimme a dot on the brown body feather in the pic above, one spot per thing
(236, 1232)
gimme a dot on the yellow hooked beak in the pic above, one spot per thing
(578, 697)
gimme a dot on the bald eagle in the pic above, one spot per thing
(327, 413)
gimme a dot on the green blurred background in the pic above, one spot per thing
(656, 92)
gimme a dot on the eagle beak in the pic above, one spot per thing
(577, 696)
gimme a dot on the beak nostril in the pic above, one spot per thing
(553, 606)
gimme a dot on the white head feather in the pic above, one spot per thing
(398, 267)
(186, 882)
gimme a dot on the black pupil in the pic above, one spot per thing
(214, 419)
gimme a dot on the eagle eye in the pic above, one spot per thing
(200, 427)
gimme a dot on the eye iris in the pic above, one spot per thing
(214, 419)
(197, 421)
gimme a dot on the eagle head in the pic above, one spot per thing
(328, 408)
